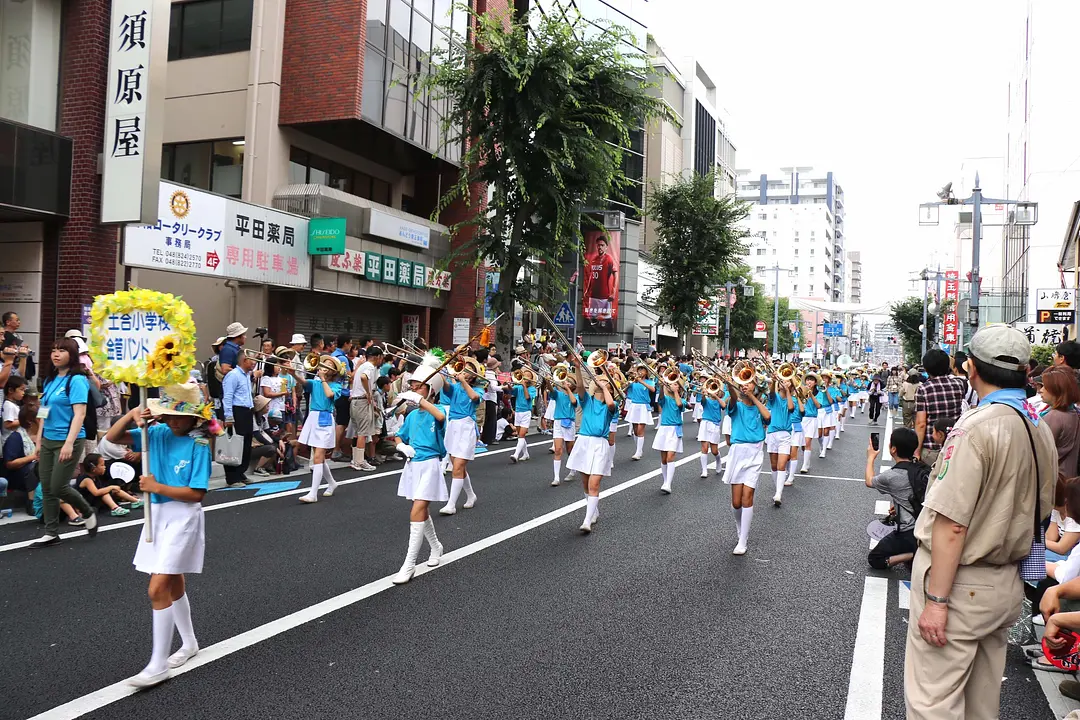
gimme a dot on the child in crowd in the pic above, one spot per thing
(781, 404)
(14, 391)
(668, 438)
(504, 428)
(274, 388)
(748, 419)
(1064, 531)
(942, 428)
(95, 487)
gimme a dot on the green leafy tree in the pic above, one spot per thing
(699, 241)
(906, 315)
(747, 310)
(1043, 354)
(787, 316)
(543, 107)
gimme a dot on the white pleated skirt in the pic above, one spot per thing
(423, 480)
(315, 436)
(709, 432)
(725, 425)
(179, 540)
(461, 438)
(590, 456)
(699, 411)
(743, 464)
(638, 414)
(549, 411)
(809, 426)
(666, 439)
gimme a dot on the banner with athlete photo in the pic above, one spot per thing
(600, 286)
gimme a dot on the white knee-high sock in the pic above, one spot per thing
(316, 479)
(163, 635)
(630, 430)
(468, 486)
(669, 472)
(737, 514)
(519, 451)
(744, 524)
(791, 467)
(455, 491)
(832, 439)
(806, 459)
(331, 484)
(558, 467)
(182, 618)
(704, 462)
(592, 507)
(639, 444)
(716, 457)
(778, 481)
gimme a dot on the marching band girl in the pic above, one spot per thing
(824, 404)
(748, 418)
(547, 421)
(460, 437)
(850, 391)
(563, 401)
(318, 430)
(668, 439)
(639, 413)
(692, 400)
(778, 435)
(708, 433)
(836, 397)
(591, 454)
(612, 429)
(178, 478)
(524, 396)
(811, 413)
(421, 441)
(797, 437)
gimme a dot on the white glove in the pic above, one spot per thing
(410, 397)
(407, 450)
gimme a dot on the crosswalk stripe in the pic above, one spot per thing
(864, 696)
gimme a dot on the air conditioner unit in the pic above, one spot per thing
(614, 220)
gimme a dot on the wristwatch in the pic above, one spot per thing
(936, 599)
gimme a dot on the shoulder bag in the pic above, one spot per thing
(1033, 567)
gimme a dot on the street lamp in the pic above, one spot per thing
(1026, 214)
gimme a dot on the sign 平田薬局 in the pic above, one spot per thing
(206, 234)
(326, 236)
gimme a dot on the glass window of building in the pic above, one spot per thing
(30, 74)
(305, 167)
(209, 27)
(216, 166)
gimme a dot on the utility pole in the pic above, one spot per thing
(776, 309)
(925, 290)
(727, 318)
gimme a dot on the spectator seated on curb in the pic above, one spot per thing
(94, 485)
(902, 484)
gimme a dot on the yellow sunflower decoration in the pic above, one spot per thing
(142, 337)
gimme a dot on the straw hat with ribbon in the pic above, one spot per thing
(185, 400)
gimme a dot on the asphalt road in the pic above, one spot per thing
(650, 616)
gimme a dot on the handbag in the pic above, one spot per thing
(1033, 567)
(229, 448)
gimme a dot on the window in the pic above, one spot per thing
(209, 27)
(761, 251)
(304, 167)
(216, 166)
(811, 251)
(796, 252)
(794, 289)
(763, 216)
(774, 251)
(812, 233)
(760, 270)
(796, 233)
(812, 268)
(811, 289)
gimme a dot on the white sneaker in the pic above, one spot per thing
(447, 510)
(704, 473)
(309, 498)
(556, 483)
(586, 527)
(776, 500)
(821, 455)
(789, 482)
(635, 457)
(666, 488)
(470, 500)
(367, 467)
(570, 476)
(740, 549)
(181, 656)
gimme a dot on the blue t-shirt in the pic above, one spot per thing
(670, 411)
(640, 393)
(823, 400)
(846, 390)
(595, 417)
(177, 460)
(229, 354)
(384, 369)
(710, 409)
(834, 395)
(564, 409)
(461, 405)
(319, 401)
(779, 415)
(523, 398)
(424, 434)
(747, 425)
(797, 411)
(685, 369)
(57, 398)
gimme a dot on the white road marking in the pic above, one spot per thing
(817, 477)
(117, 691)
(904, 597)
(886, 456)
(868, 659)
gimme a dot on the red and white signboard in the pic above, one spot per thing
(951, 326)
(759, 326)
(952, 285)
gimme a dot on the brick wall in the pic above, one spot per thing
(80, 259)
(467, 285)
(322, 68)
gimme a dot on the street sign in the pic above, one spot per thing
(565, 316)
(1056, 317)
(833, 329)
(759, 326)
(951, 326)
(952, 285)
(868, 349)
(795, 334)
(793, 327)
(760, 334)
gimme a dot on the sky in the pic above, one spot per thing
(895, 98)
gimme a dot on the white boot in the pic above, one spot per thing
(433, 542)
(416, 539)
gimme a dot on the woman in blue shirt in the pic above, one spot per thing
(811, 413)
(708, 433)
(524, 396)
(421, 439)
(564, 401)
(179, 475)
(638, 412)
(778, 435)
(824, 403)
(797, 436)
(318, 432)
(461, 437)
(61, 438)
(668, 439)
(835, 398)
(748, 418)
(591, 455)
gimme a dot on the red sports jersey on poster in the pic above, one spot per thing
(600, 277)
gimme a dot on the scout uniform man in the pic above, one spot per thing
(977, 523)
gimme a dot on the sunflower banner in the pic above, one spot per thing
(142, 337)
